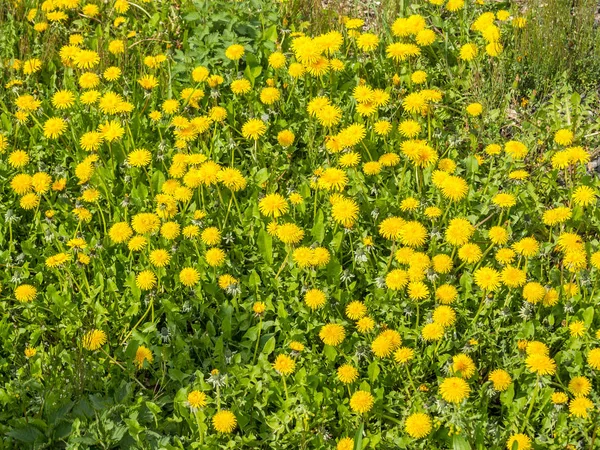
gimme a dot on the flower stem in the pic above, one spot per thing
(200, 433)
(533, 398)
(285, 389)
(150, 308)
(257, 340)
(282, 264)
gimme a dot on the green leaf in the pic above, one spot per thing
(261, 176)
(270, 34)
(588, 316)
(528, 330)
(318, 229)
(358, 436)
(190, 17)
(472, 164)
(337, 241)
(269, 346)
(330, 352)
(466, 282)
(254, 279)
(28, 434)
(265, 246)
(507, 396)
(373, 371)
(333, 270)
(253, 68)
(460, 443)
(158, 179)
(226, 313)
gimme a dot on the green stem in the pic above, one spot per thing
(283, 264)
(257, 340)
(200, 432)
(533, 397)
(285, 389)
(412, 383)
(481, 305)
(150, 308)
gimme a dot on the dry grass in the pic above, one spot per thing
(323, 14)
(561, 37)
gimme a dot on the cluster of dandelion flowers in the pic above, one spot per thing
(361, 402)
(311, 257)
(94, 339)
(418, 425)
(224, 421)
(411, 275)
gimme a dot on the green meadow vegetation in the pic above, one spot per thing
(299, 225)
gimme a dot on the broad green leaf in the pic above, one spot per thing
(373, 371)
(269, 346)
(265, 246)
(358, 436)
(588, 316)
(460, 443)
